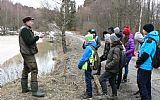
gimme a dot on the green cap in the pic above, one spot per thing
(89, 37)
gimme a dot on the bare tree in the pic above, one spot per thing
(11, 16)
(140, 19)
(64, 18)
(105, 13)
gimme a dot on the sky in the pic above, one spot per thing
(37, 3)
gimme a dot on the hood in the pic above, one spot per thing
(154, 35)
(118, 44)
(131, 36)
(92, 43)
(120, 47)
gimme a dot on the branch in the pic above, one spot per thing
(64, 25)
(57, 2)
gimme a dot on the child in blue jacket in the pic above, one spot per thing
(84, 65)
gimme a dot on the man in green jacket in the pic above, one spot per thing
(28, 49)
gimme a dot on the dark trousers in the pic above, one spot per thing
(112, 78)
(144, 83)
(30, 65)
(88, 80)
(102, 58)
(119, 78)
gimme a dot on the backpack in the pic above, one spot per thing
(95, 64)
(123, 59)
(156, 57)
(98, 42)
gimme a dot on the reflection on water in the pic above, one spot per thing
(12, 69)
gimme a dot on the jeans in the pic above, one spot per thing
(88, 80)
(126, 67)
(112, 78)
(144, 83)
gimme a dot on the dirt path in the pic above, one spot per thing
(70, 85)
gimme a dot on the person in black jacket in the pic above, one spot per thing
(105, 52)
(28, 48)
(96, 37)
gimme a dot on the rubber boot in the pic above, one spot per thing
(35, 92)
(24, 85)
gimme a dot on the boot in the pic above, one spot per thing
(35, 92)
(124, 78)
(24, 85)
(114, 97)
(86, 97)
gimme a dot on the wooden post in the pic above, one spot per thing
(97, 84)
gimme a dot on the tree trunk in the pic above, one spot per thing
(140, 18)
(64, 46)
(148, 12)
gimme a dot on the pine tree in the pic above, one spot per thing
(71, 24)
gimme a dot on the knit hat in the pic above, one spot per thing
(119, 35)
(114, 38)
(111, 28)
(148, 28)
(116, 30)
(105, 32)
(28, 18)
(126, 31)
(89, 30)
(89, 37)
(107, 37)
(138, 36)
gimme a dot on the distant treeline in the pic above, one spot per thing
(102, 14)
(11, 16)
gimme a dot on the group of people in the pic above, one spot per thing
(116, 42)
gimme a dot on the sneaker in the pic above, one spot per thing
(105, 96)
(86, 97)
(124, 78)
(114, 97)
(124, 81)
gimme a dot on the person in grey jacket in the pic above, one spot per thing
(111, 67)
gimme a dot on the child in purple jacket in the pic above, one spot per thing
(128, 42)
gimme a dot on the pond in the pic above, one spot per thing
(11, 69)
